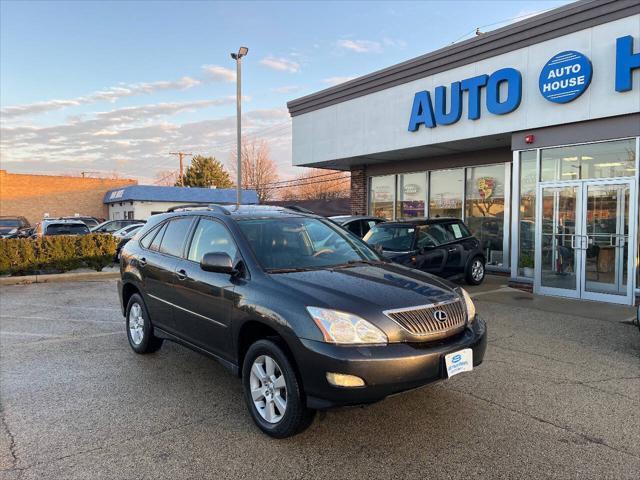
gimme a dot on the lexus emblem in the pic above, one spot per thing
(440, 315)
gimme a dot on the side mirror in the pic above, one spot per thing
(219, 262)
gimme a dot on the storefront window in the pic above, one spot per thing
(382, 196)
(594, 160)
(445, 193)
(412, 195)
(484, 206)
(527, 214)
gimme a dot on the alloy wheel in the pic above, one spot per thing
(136, 324)
(268, 388)
(477, 270)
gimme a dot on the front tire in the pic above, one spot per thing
(139, 328)
(274, 396)
(475, 271)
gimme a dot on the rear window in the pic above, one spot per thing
(66, 229)
(10, 222)
(395, 238)
(174, 236)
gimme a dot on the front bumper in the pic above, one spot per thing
(386, 370)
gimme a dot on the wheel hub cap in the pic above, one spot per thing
(268, 389)
(136, 324)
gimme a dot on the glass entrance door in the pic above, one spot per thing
(584, 246)
(557, 259)
(606, 242)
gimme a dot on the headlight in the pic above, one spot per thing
(345, 328)
(468, 303)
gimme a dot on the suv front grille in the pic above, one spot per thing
(435, 320)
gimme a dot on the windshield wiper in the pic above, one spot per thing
(290, 270)
(353, 263)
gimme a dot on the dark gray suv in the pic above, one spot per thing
(306, 313)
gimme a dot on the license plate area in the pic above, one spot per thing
(458, 362)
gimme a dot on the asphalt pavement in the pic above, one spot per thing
(558, 396)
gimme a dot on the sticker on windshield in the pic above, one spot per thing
(410, 230)
(456, 230)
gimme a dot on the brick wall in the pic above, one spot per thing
(358, 190)
(32, 196)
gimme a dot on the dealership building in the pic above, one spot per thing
(530, 133)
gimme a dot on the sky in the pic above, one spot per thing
(113, 87)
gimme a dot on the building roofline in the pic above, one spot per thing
(545, 26)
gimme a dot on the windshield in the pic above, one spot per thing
(66, 229)
(395, 238)
(9, 223)
(301, 243)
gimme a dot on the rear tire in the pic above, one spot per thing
(475, 271)
(274, 396)
(139, 328)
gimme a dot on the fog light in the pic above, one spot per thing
(344, 380)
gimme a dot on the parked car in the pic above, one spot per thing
(441, 246)
(56, 226)
(307, 315)
(88, 221)
(111, 226)
(357, 224)
(14, 227)
(124, 235)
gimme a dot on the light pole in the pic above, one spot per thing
(238, 58)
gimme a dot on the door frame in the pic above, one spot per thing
(579, 236)
(628, 298)
(537, 283)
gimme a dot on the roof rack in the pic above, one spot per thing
(297, 208)
(196, 206)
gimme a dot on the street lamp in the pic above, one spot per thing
(238, 58)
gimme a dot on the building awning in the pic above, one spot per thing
(153, 193)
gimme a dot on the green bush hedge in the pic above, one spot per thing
(25, 256)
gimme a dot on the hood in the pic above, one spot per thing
(366, 288)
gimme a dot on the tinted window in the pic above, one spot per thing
(174, 236)
(12, 222)
(66, 229)
(458, 230)
(433, 235)
(211, 236)
(354, 227)
(396, 238)
(155, 244)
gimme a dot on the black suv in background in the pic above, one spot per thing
(359, 225)
(308, 315)
(442, 246)
(14, 227)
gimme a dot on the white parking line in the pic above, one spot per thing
(53, 341)
(15, 317)
(497, 290)
(77, 307)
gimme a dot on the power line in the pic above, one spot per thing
(306, 178)
(181, 155)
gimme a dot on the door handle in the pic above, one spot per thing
(181, 274)
(142, 261)
(451, 250)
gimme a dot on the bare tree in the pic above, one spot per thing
(259, 171)
(167, 178)
(317, 184)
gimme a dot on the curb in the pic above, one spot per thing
(59, 277)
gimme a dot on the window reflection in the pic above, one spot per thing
(412, 195)
(527, 213)
(445, 199)
(485, 209)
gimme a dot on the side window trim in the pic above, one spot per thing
(151, 233)
(184, 241)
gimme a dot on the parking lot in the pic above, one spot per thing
(558, 396)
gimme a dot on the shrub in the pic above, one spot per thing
(24, 256)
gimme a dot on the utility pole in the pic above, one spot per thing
(181, 155)
(238, 58)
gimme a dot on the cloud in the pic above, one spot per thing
(136, 140)
(286, 89)
(219, 74)
(280, 64)
(360, 46)
(111, 94)
(336, 80)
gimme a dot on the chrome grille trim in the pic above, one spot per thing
(420, 320)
